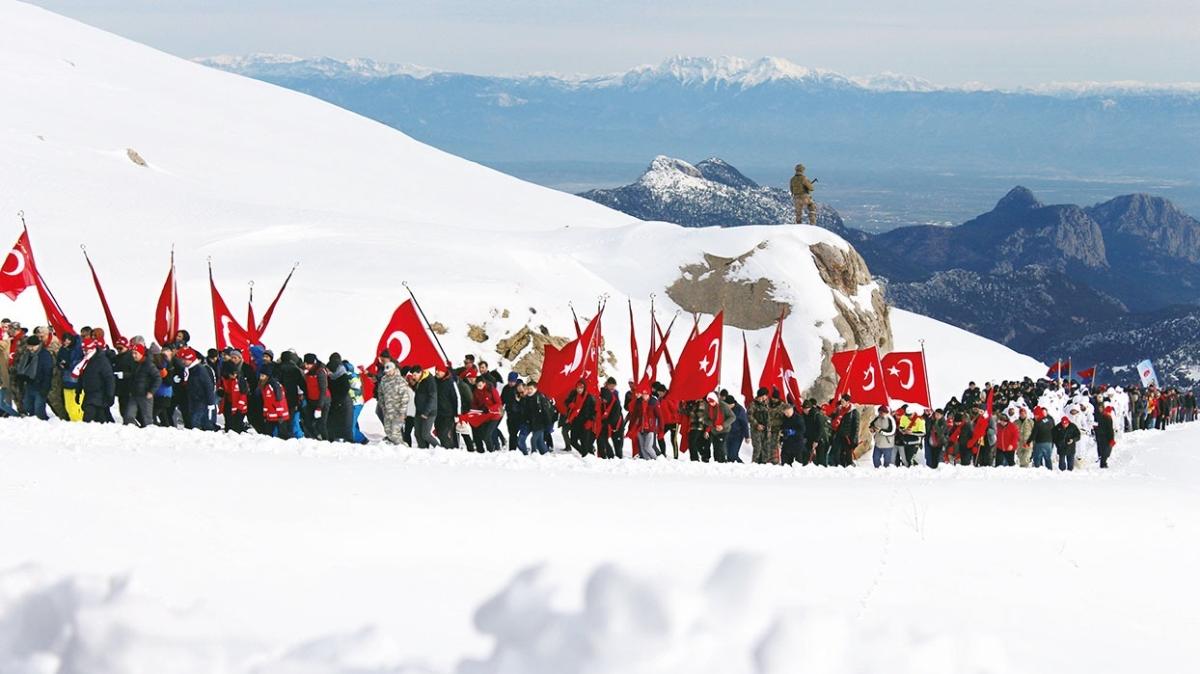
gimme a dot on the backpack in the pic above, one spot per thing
(27, 366)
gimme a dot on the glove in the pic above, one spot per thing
(317, 414)
(120, 375)
(178, 379)
(1112, 443)
(212, 409)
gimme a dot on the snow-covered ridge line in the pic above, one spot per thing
(729, 71)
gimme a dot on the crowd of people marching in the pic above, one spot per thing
(82, 378)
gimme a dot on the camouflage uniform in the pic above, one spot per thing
(393, 394)
(768, 415)
(802, 189)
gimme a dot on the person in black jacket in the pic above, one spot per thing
(142, 381)
(510, 397)
(845, 438)
(97, 383)
(581, 412)
(610, 421)
(449, 406)
(291, 380)
(425, 403)
(1042, 439)
(341, 406)
(1106, 436)
(538, 414)
(793, 437)
(1066, 435)
(201, 391)
(122, 369)
(36, 378)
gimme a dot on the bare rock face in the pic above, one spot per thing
(135, 157)
(706, 288)
(846, 272)
(531, 343)
(710, 287)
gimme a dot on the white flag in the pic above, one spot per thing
(1147, 373)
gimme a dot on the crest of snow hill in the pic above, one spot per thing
(1107, 284)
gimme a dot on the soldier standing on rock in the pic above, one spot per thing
(802, 189)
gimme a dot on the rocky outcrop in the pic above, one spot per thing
(846, 273)
(525, 348)
(718, 284)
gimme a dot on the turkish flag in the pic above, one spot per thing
(905, 377)
(579, 359)
(1088, 373)
(633, 347)
(226, 328)
(166, 315)
(407, 340)
(778, 375)
(747, 383)
(866, 384)
(698, 370)
(18, 272)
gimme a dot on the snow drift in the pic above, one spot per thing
(125, 549)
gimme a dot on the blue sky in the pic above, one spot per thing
(998, 42)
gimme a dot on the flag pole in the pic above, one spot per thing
(925, 366)
(1095, 371)
(426, 319)
(173, 326)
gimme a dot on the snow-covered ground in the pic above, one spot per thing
(127, 549)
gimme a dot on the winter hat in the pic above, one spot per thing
(88, 344)
(761, 392)
(1038, 412)
(213, 354)
(1066, 420)
(188, 354)
(712, 398)
(32, 341)
(267, 370)
(1108, 410)
(310, 359)
(470, 373)
(138, 349)
(121, 343)
(513, 377)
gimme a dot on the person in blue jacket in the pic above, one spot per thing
(739, 431)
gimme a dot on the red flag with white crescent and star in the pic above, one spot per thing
(698, 371)
(778, 375)
(228, 332)
(407, 340)
(905, 377)
(166, 315)
(578, 359)
(866, 384)
(18, 272)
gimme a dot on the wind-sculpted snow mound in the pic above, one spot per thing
(627, 623)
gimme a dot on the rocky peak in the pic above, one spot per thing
(720, 171)
(664, 165)
(1018, 199)
(1153, 219)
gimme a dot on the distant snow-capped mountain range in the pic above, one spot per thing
(701, 71)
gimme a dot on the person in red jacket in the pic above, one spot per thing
(1008, 438)
(234, 402)
(978, 430)
(645, 423)
(276, 415)
(485, 402)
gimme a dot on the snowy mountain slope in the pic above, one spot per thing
(258, 177)
(955, 357)
(248, 556)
